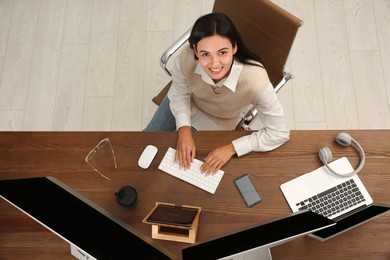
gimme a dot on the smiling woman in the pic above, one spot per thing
(215, 80)
(215, 62)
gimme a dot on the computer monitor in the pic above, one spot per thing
(357, 218)
(77, 220)
(259, 239)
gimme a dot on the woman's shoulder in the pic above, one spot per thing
(187, 53)
(254, 73)
(187, 59)
(255, 66)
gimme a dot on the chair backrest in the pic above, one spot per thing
(266, 29)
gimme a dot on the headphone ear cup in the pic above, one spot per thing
(343, 139)
(325, 155)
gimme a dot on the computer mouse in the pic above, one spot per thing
(147, 156)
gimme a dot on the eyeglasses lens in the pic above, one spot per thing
(102, 143)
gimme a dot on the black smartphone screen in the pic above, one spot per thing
(173, 215)
(247, 190)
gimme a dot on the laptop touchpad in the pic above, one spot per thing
(319, 180)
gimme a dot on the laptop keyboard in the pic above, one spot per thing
(193, 175)
(334, 200)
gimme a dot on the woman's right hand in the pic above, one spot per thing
(185, 149)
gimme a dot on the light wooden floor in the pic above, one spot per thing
(70, 65)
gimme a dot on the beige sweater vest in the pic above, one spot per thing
(222, 105)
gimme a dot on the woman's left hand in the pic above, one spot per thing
(217, 158)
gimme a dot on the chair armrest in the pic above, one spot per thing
(172, 49)
(286, 77)
(250, 117)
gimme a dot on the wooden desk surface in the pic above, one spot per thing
(61, 154)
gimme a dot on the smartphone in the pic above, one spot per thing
(247, 190)
(173, 215)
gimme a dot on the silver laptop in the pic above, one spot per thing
(308, 191)
(345, 200)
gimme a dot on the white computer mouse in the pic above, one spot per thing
(147, 156)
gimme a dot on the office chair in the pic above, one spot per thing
(266, 29)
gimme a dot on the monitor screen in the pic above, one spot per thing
(75, 219)
(358, 218)
(260, 236)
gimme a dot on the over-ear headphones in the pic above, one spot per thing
(343, 139)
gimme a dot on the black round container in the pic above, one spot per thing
(127, 197)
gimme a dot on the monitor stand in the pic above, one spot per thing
(261, 254)
(80, 254)
(254, 254)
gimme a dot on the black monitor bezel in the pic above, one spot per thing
(358, 218)
(260, 236)
(76, 219)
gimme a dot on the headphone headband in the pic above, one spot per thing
(343, 139)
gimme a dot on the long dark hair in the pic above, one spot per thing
(220, 24)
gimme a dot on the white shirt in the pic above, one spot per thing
(269, 109)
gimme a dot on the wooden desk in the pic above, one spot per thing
(61, 154)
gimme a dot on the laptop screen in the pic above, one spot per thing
(265, 235)
(67, 214)
(355, 219)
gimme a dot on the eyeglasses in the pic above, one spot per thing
(92, 153)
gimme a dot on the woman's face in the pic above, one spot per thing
(215, 54)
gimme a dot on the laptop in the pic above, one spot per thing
(344, 200)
